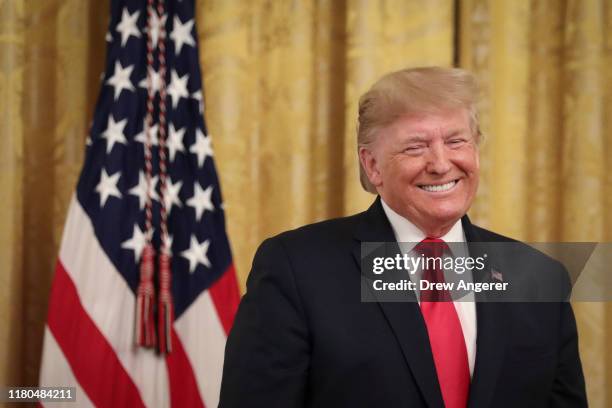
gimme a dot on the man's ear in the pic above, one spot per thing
(370, 165)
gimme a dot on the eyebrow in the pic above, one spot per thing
(415, 139)
(453, 133)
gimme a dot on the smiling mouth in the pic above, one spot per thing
(436, 188)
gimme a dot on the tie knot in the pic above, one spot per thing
(431, 247)
(433, 271)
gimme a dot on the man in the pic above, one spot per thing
(303, 337)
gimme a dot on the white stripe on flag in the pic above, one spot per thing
(55, 372)
(110, 303)
(203, 338)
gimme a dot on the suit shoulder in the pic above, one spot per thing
(309, 250)
(331, 232)
(527, 252)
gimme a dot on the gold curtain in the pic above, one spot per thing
(282, 81)
(51, 58)
(547, 115)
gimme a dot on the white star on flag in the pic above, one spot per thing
(181, 34)
(127, 26)
(114, 133)
(155, 81)
(178, 87)
(140, 189)
(197, 254)
(142, 138)
(156, 24)
(175, 141)
(121, 79)
(171, 197)
(108, 186)
(202, 147)
(136, 243)
(201, 200)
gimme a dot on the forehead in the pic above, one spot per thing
(432, 123)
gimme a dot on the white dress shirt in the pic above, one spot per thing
(406, 232)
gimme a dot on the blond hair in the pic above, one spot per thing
(414, 91)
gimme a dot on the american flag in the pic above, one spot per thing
(90, 333)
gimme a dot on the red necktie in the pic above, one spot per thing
(445, 334)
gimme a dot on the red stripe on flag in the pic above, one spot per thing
(183, 386)
(225, 296)
(92, 359)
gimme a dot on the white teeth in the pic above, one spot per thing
(440, 187)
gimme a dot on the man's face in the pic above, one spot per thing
(426, 168)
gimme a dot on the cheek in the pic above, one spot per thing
(468, 162)
(475, 164)
(403, 170)
(471, 166)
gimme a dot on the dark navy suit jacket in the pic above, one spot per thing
(303, 338)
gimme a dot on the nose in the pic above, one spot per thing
(438, 161)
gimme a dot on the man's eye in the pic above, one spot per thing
(415, 148)
(456, 142)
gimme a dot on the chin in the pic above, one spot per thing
(447, 216)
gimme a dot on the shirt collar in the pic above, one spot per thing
(408, 233)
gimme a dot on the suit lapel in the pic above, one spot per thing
(491, 330)
(404, 318)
